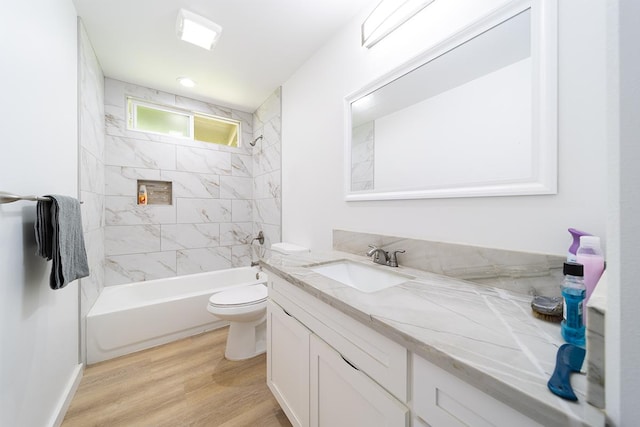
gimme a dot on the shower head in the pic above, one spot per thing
(253, 143)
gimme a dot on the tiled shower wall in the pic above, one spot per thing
(210, 224)
(267, 171)
(91, 136)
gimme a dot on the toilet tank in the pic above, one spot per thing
(285, 248)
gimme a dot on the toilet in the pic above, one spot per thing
(245, 308)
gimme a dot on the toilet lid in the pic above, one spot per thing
(245, 295)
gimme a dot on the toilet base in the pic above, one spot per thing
(246, 339)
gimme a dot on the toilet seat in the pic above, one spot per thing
(239, 297)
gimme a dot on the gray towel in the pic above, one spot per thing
(59, 238)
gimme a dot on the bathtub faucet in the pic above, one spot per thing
(260, 238)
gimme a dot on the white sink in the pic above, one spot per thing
(362, 277)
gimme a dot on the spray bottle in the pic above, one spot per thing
(573, 249)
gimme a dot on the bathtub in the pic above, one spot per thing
(135, 316)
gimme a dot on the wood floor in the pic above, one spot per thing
(184, 383)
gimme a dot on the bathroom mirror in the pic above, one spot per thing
(474, 116)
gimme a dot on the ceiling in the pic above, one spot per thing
(263, 42)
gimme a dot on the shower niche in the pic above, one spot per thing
(154, 192)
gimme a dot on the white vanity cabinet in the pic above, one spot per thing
(288, 363)
(327, 369)
(441, 399)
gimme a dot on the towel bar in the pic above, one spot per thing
(9, 198)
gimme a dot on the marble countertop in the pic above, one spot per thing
(486, 336)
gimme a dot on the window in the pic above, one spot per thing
(153, 119)
(215, 130)
(148, 117)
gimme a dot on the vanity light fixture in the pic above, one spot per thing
(186, 81)
(197, 29)
(387, 16)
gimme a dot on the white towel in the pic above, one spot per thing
(59, 238)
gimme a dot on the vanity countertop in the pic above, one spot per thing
(486, 336)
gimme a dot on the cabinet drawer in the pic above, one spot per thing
(441, 399)
(382, 359)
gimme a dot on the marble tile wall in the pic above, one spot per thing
(211, 222)
(528, 273)
(362, 140)
(267, 206)
(91, 172)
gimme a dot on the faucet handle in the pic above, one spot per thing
(393, 259)
(380, 256)
(373, 250)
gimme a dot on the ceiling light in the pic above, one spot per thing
(197, 30)
(186, 81)
(387, 16)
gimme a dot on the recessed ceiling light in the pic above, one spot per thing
(186, 81)
(197, 30)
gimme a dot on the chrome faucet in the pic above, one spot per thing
(380, 256)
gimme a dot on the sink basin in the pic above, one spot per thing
(362, 277)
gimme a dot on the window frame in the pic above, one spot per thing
(132, 120)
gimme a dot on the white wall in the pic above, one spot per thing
(623, 316)
(38, 134)
(313, 139)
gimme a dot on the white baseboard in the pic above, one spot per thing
(67, 396)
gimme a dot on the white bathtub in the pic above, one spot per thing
(135, 316)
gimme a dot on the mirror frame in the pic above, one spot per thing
(544, 158)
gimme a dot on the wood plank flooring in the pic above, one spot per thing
(184, 383)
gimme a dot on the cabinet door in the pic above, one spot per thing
(384, 360)
(341, 395)
(288, 363)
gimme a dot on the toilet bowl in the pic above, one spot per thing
(245, 308)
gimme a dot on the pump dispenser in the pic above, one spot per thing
(573, 249)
